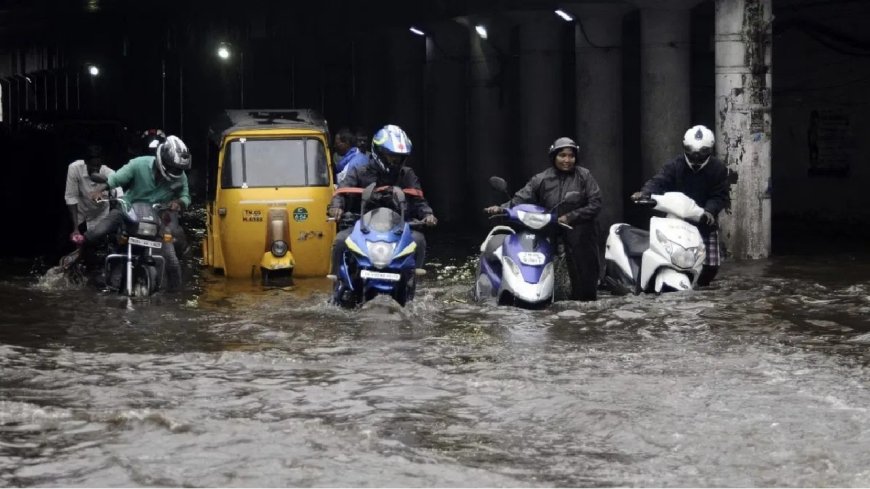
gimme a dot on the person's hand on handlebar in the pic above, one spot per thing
(176, 205)
(493, 209)
(335, 213)
(430, 220)
(640, 196)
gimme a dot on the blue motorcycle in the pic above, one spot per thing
(518, 261)
(380, 256)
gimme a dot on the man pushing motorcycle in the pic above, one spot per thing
(158, 179)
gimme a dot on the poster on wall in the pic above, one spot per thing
(830, 143)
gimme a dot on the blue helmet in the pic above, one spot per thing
(391, 147)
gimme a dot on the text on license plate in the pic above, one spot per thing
(142, 242)
(392, 277)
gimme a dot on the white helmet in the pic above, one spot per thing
(698, 146)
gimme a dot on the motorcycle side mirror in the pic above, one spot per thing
(98, 178)
(399, 195)
(498, 183)
(366, 196)
(367, 192)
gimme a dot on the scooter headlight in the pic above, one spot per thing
(534, 220)
(684, 257)
(147, 229)
(510, 265)
(380, 253)
(279, 248)
(680, 257)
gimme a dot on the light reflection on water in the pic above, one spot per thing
(758, 380)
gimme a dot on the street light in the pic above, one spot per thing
(224, 52)
(417, 31)
(565, 15)
(93, 70)
(481, 31)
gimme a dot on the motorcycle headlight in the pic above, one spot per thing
(147, 229)
(534, 220)
(279, 248)
(380, 253)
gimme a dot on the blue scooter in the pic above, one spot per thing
(517, 261)
(380, 256)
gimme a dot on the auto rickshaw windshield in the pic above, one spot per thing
(296, 162)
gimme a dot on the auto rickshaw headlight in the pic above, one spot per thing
(279, 248)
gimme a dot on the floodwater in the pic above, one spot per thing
(759, 380)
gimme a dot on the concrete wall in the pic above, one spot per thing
(821, 164)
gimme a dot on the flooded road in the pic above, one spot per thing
(759, 380)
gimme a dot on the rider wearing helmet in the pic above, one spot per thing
(701, 176)
(157, 179)
(547, 189)
(391, 148)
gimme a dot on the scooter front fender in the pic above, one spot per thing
(529, 292)
(673, 279)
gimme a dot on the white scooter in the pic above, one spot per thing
(670, 261)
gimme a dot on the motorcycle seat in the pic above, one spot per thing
(635, 240)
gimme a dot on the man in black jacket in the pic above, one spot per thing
(547, 189)
(702, 177)
(386, 167)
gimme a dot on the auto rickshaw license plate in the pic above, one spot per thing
(143, 242)
(392, 277)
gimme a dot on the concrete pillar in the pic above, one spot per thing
(541, 103)
(743, 108)
(598, 54)
(665, 83)
(488, 115)
(445, 121)
(408, 57)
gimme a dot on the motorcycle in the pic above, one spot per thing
(671, 261)
(137, 268)
(519, 265)
(380, 256)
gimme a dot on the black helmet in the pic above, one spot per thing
(562, 143)
(173, 158)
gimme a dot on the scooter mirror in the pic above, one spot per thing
(98, 178)
(498, 183)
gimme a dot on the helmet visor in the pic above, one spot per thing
(699, 156)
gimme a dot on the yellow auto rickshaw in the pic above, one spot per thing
(269, 181)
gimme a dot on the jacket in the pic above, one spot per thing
(372, 172)
(708, 187)
(549, 187)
